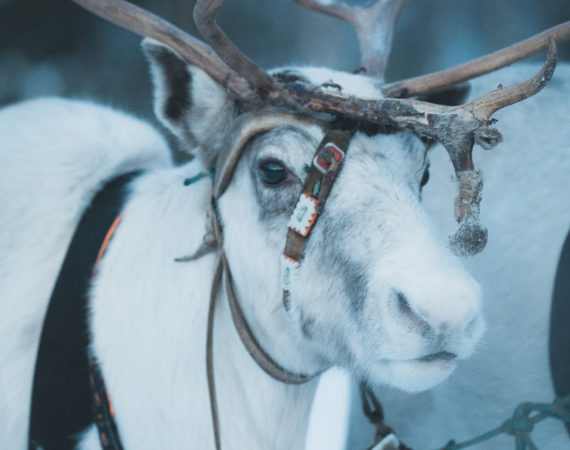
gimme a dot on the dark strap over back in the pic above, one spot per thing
(61, 400)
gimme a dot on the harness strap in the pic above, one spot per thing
(61, 387)
(385, 438)
(321, 175)
(244, 331)
(210, 355)
(255, 350)
(101, 406)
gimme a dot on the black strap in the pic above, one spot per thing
(61, 394)
(373, 411)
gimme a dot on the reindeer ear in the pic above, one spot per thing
(188, 102)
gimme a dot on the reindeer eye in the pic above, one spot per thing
(273, 173)
(425, 178)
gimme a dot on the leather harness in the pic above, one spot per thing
(68, 392)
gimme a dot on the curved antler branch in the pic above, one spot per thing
(471, 237)
(484, 107)
(205, 12)
(374, 27)
(144, 23)
(457, 128)
(480, 66)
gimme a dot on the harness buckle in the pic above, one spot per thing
(324, 159)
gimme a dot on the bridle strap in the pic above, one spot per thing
(210, 354)
(262, 359)
(253, 347)
(320, 178)
(322, 173)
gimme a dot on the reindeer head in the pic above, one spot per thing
(376, 290)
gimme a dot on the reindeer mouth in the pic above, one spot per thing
(439, 356)
(416, 375)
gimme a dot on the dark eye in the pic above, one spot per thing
(425, 178)
(273, 173)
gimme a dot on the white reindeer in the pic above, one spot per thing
(377, 292)
(353, 307)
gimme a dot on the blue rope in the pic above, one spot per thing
(521, 424)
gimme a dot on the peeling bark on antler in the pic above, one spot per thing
(471, 237)
(456, 128)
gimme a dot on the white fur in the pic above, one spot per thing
(149, 312)
(54, 154)
(525, 207)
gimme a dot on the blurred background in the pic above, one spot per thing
(56, 48)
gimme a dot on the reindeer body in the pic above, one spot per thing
(526, 209)
(350, 306)
(376, 292)
(75, 147)
(160, 314)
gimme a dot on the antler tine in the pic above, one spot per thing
(479, 66)
(144, 23)
(374, 27)
(471, 237)
(205, 12)
(484, 107)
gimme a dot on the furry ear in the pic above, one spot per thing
(188, 102)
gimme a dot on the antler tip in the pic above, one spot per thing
(469, 239)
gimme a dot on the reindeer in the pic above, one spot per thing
(365, 282)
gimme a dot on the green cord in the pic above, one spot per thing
(521, 424)
(198, 177)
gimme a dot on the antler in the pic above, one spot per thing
(205, 12)
(457, 128)
(479, 66)
(144, 23)
(374, 27)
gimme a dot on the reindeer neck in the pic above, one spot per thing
(253, 407)
(149, 330)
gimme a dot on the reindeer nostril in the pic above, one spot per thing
(470, 328)
(418, 324)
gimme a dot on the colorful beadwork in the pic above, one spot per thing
(288, 270)
(304, 215)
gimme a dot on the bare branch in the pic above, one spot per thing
(374, 27)
(479, 66)
(456, 128)
(144, 23)
(205, 13)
